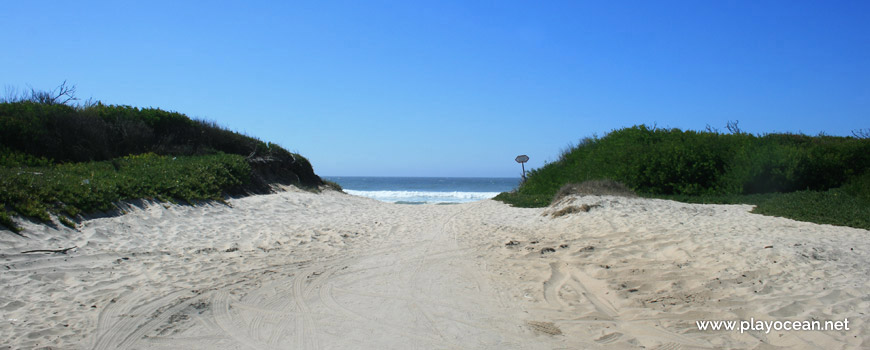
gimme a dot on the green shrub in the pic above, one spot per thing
(102, 132)
(524, 200)
(68, 160)
(693, 166)
(66, 222)
(676, 162)
(332, 185)
(6, 221)
(73, 188)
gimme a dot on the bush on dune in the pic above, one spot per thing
(676, 162)
(102, 132)
(673, 163)
(69, 159)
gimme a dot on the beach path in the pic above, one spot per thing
(287, 271)
(297, 270)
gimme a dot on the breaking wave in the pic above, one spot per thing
(423, 197)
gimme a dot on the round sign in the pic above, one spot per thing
(522, 158)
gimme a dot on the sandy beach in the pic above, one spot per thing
(298, 270)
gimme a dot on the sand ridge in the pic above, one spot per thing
(332, 271)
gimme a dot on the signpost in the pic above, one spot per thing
(522, 159)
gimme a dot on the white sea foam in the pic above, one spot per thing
(423, 196)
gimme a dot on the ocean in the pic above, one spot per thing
(423, 190)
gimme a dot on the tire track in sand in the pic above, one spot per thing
(591, 289)
(128, 328)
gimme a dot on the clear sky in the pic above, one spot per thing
(453, 88)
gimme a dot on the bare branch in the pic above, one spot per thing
(62, 94)
(861, 133)
(11, 94)
(733, 127)
(65, 93)
(61, 251)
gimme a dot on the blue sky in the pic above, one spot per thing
(453, 88)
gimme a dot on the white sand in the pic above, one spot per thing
(298, 270)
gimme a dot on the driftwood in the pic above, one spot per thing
(62, 251)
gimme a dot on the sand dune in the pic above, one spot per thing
(299, 270)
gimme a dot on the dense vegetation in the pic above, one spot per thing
(816, 178)
(65, 159)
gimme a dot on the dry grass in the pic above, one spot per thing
(574, 209)
(548, 328)
(594, 188)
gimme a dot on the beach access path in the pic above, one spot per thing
(298, 270)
